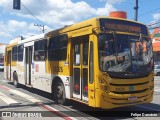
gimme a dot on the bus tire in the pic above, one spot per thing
(15, 80)
(59, 93)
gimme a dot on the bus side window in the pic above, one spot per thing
(40, 48)
(20, 52)
(14, 53)
(57, 48)
(85, 51)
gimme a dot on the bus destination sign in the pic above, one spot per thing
(123, 26)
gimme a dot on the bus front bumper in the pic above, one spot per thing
(112, 100)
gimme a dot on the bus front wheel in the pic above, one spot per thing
(59, 93)
(15, 80)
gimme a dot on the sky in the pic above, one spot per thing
(54, 14)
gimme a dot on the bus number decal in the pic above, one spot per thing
(120, 89)
(57, 69)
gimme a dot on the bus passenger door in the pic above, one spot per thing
(28, 63)
(8, 67)
(80, 68)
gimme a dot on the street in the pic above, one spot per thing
(28, 102)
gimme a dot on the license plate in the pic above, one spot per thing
(132, 98)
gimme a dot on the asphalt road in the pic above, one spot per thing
(33, 102)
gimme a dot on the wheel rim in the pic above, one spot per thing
(15, 82)
(59, 92)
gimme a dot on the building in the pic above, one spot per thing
(2, 49)
(155, 36)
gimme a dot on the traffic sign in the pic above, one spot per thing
(17, 4)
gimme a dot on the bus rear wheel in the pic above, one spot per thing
(15, 80)
(59, 93)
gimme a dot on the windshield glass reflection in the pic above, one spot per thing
(124, 53)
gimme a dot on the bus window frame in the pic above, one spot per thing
(19, 53)
(16, 53)
(56, 39)
(39, 50)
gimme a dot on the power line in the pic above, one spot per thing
(148, 12)
(154, 25)
(40, 27)
(79, 6)
(35, 18)
(59, 15)
(31, 13)
(144, 1)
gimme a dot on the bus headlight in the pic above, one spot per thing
(104, 88)
(100, 81)
(103, 85)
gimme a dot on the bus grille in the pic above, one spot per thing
(130, 92)
(129, 84)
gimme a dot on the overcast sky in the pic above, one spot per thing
(58, 13)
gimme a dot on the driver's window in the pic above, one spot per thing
(106, 44)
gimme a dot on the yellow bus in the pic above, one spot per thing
(103, 62)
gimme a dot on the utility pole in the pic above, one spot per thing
(136, 10)
(40, 27)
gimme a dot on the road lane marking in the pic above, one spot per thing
(28, 97)
(4, 87)
(157, 90)
(156, 78)
(55, 111)
(5, 81)
(7, 99)
(39, 102)
(147, 107)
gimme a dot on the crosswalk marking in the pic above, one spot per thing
(5, 81)
(156, 78)
(4, 87)
(28, 97)
(55, 111)
(7, 99)
(34, 100)
(157, 90)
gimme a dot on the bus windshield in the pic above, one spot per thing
(124, 55)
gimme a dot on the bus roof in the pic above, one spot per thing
(90, 22)
(32, 38)
(86, 23)
(12, 44)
